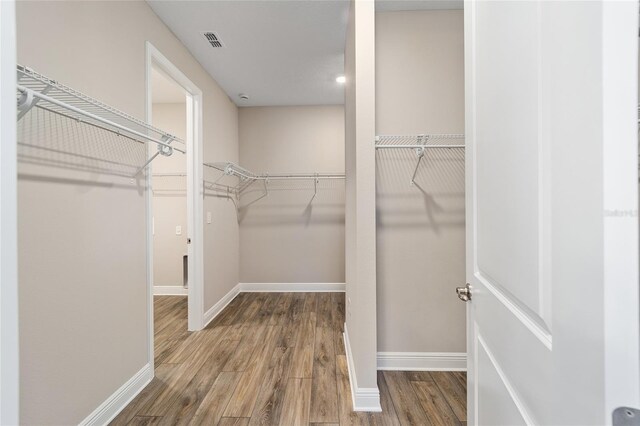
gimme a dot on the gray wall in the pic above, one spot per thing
(421, 230)
(169, 200)
(287, 237)
(82, 243)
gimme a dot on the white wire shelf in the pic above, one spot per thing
(68, 109)
(246, 178)
(425, 141)
(420, 144)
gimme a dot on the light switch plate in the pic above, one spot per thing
(178, 230)
(208, 217)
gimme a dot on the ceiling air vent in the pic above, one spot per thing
(213, 39)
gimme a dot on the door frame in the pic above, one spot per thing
(9, 341)
(195, 203)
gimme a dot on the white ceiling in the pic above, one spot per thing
(164, 90)
(276, 52)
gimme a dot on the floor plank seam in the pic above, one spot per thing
(281, 335)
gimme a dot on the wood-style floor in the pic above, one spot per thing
(276, 358)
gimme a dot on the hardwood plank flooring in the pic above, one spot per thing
(268, 408)
(277, 359)
(324, 397)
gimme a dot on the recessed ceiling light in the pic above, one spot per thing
(341, 79)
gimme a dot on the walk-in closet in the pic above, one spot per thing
(338, 212)
(420, 186)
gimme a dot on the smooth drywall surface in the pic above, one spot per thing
(82, 234)
(169, 200)
(421, 227)
(221, 239)
(360, 231)
(292, 236)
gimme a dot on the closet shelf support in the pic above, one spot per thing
(41, 96)
(28, 100)
(419, 143)
(420, 153)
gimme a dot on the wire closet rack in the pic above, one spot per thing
(52, 121)
(246, 178)
(420, 144)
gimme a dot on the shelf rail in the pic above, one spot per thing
(424, 141)
(420, 143)
(36, 90)
(246, 178)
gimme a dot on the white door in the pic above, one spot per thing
(552, 200)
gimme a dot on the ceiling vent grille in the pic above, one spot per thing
(213, 39)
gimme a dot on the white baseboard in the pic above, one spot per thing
(364, 399)
(169, 290)
(222, 303)
(291, 287)
(110, 408)
(422, 361)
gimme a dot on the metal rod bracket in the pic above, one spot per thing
(166, 150)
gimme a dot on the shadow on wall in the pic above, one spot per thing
(436, 198)
(293, 202)
(51, 140)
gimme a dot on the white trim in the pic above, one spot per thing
(291, 287)
(149, 219)
(195, 210)
(269, 288)
(364, 399)
(9, 347)
(470, 111)
(169, 290)
(513, 394)
(422, 361)
(222, 303)
(112, 406)
(620, 193)
(195, 214)
(528, 320)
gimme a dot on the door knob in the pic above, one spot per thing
(464, 293)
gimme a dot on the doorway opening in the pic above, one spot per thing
(169, 211)
(174, 201)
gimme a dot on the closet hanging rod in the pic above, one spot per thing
(33, 93)
(300, 177)
(232, 169)
(413, 146)
(168, 174)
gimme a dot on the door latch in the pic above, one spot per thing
(464, 293)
